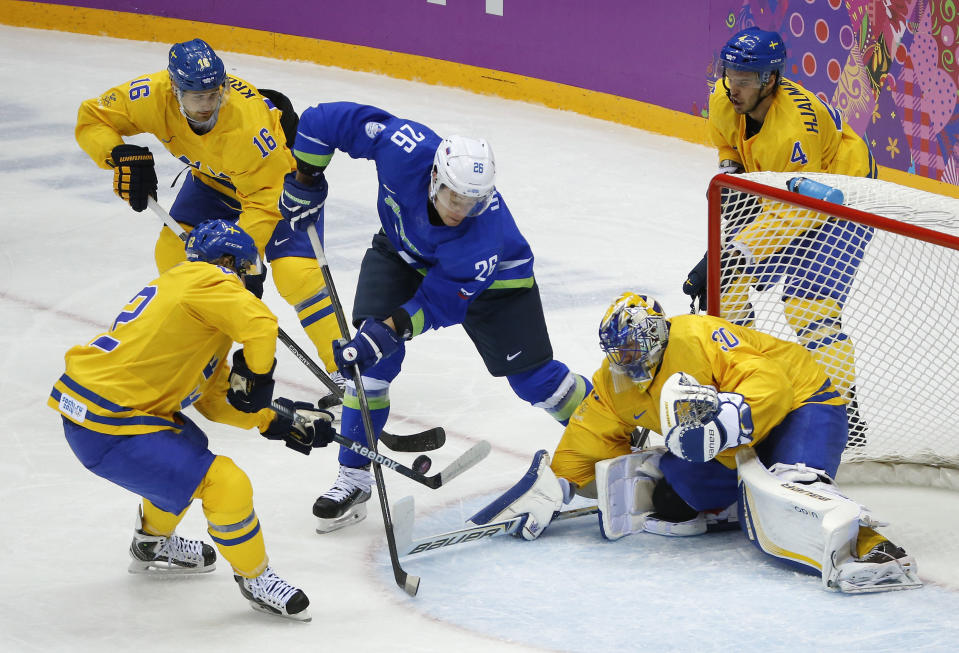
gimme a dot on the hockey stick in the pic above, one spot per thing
(410, 584)
(467, 459)
(407, 546)
(427, 440)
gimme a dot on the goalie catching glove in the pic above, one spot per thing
(699, 422)
(307, 429)
(134, 176)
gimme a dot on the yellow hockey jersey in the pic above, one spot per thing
(166, 350)
(800, 133)
(246, 149)
(774, 376)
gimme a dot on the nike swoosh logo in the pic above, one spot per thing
(512, 356)
(640, 415)
(277, 243)
(171, 138)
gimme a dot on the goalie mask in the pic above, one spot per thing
(633, 333)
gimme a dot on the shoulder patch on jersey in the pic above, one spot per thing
(373, 128)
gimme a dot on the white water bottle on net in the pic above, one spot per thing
(865, 275)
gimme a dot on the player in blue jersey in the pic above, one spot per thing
(448, 252)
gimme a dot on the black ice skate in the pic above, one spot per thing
(344, 503)
(271, 594)
(156, 554)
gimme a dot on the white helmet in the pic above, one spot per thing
(466, 167)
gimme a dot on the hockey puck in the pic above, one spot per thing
(422, 464)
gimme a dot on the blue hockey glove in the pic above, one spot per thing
(134, 175)
(302, 204)
(249, 391)
(312, 428)
(374, 341)
(730, 426)
(695, 286)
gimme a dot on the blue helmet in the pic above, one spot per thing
(215, 238)
(755, 50)
(194, 66)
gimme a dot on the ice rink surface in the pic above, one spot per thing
(605, 208)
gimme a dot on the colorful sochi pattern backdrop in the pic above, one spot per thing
(891, 66)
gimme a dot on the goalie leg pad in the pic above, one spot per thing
(537, 497)
(624, 491)
(811, 525)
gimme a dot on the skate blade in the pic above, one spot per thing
(303, 615)
(165, 569)
(354, 515)
(881, 578)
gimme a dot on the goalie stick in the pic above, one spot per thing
(467, 459)
(403, 512)
(403, 517)
(428, 440)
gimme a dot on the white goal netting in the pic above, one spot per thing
(871, 298)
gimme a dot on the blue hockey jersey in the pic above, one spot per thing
(458, 263)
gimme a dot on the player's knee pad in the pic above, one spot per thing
(169, 249)
(816, 321)
(624, 491)
(299, 281)
(735, 303)
(553, 388)
(226, 492)
(227, 496)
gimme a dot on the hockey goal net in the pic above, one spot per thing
(868, 287)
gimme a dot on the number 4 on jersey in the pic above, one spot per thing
(798, 156)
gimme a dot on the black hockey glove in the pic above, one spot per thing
(311, 429)
(695, 286)
(249, 391)
(134, 177)
(254, 282)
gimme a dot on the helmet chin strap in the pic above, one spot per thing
(199, 127)
(759, 99)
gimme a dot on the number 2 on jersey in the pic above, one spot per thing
(131, 312)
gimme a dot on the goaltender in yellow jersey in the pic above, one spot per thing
(775, 377)
(234, 140)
